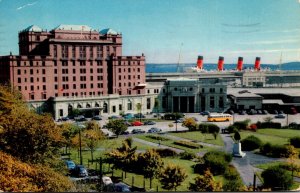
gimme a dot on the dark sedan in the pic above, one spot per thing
(149, 123)
(136, 131)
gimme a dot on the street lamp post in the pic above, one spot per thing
(80, 150)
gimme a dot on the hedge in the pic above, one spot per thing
(157, 137)
(251, 143)
(166, 152)
(278, 151)
(187, 155)
(217, 161)
(188, 144)
(269, 125)
(211, 128)
(295, 141)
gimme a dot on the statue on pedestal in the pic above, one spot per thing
(237, 148)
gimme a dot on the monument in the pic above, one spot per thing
(237, 148)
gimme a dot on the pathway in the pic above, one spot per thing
(245, 165)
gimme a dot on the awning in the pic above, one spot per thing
(272, 101)
(140, 86)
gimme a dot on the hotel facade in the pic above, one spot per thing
(76, 67)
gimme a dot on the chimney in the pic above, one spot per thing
(220, 63)
(239, 66)
(257, 63)
(200, 62)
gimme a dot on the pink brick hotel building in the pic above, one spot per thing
(72, 61)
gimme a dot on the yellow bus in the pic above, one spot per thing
(214, 117)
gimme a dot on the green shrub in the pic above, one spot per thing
(270, 125)
(233, 181)
(166, 152)
(231, 129)
(217, 161)
(173, 116)
(188, 144)
(187, 155)
(211, 128)
(240, 125)
(278, 151)
(277, 178)
(251, 143)
(295, 141)
(157, 137)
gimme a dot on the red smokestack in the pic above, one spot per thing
(200, 62)
(220, 63)
(257, 63)
(239, 66)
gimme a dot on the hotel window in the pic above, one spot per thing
(138, 69)
(91, 52)
(73, 53)
(74, 71)
(55, 86)
(129, 69)
(43, 71)
(74, 78)
(92, 86)
(44, 96)
(32, 88)
(31, 63)
(120, 107)
(99, 52)
(55, 63)
(19, 71)
(221, 90)
(129, 105)
(82, 51)
(55, 50)
(212, 102)
(43, 63)
(31, 79)
(18, 63)
(120, 77)
(139, 77)
(37, 71)
(91, 63)
(99, 63)
(25, 80)
(55, 79)
(74, 86)
(91, 78)
(120, 84)
(44, 79)
(55, 71)
(19, 80)
(44, 87)
(119, 70)
(32, 96)
(74, 63)
(129, 83)
(129, 77)
(25, 71)
(82, 63)
(19, 87)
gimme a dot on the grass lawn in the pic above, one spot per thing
(286, 133)
(265, 137)
(198, 136)
(171, 144)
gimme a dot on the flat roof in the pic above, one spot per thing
(272, 101)
(294, 92)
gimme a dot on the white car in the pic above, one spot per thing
(106, 180)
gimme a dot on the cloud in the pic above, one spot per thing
(241, 25)
(263, 51)
(271, 42)
(26, 5)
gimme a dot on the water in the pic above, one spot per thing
(164, 68)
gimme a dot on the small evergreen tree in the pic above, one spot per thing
(205, 183)
(172, 176)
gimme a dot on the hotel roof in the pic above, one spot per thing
(33, 28)
(73, 27)
(109, 31)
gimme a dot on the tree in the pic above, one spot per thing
(151, 163)
(172, 176)
(69, 131)
(16, 176)
(92, 138)
(139, 109)
(190, 123)
(124, 157)
(293, 155)
(277, 178)
(116, 126)
(205, 183)
(233, 181)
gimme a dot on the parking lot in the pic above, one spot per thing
(164, 125)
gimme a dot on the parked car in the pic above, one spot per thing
(125, 133)
(279, 116)
(97, 117)
(157, 115)
(114, 117)
(136, 131)
(204, 113)
(149, 123)
(106, 180)
(139, 115)
(252, 112)
(79, 171)
(154, 130)
(127, 123)
(178, 121)
(259, 112)
(264, 112)
(80, 118)
(136, 123)
(242, 112)
(121, 187)
(70, 164)
(128, 116)
(280, 112)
